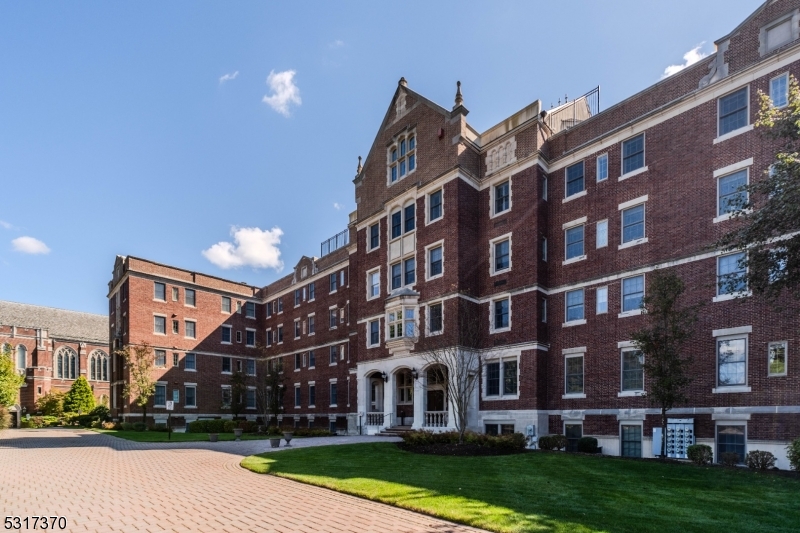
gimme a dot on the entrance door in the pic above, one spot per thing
(376, 396)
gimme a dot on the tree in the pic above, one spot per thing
(270, 388)
(80, 398)
(455, 360)
(669, 326)
(141, 385)
(238, 393)
(10, 378)
(51, 403)
(769, 209)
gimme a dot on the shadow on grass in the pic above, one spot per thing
(549, 492)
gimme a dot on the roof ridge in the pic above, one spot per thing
(54, 308)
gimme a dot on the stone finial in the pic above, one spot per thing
(359, 167)
(403, 82)
(459, 98)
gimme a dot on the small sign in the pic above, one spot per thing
(170, 406)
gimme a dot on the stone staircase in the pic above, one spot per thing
(396, 431)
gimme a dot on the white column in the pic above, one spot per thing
(419, 402)
(388, 400)
(451, 418)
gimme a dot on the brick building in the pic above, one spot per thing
(52, 348)
(545, 227)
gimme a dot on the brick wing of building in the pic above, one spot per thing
(545, 228)
(52, 348)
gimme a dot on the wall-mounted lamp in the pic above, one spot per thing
(384, 377)
(414, 373)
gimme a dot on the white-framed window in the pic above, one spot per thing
(777, 358)
(373, 333)
(731, 438)
(733, 111)
(250, 398)
(777, 33)
(632, 154)
(250, 338)
(502, 378)
(601, 300)
(298, 297)
(160, 325)
(190, 396)
(435, 314)
(312, 394)
(544, 249)
(501, 197)
(401, 322)
(190, 329)
(373, 284)
(279, 334)
(501, 314)
(543, 311)
(296, 328)
(298, 362)
(402, 157)
(435, 206)
(297, 396)
(409, 271)
(633, 224)
(190, 297)
(238, 336)
(731, 272)
(544, 188)
(227, 365)
(312, 359)
(311, 325)
(435, 260)
(779, 90)
(333, 282)
(269, 337)
(630, 439)
(574, 306)
(333, 353)
(160, 395)
(160, 358)
(334, 393)
(602, 234)
(632, 370)
(574, 176)
(250, 309)
(632, 293)
(225, 305)
(175, 359)
(602, 167)
(500, 254)
(403, 220)
(250, 367)
(159, 291)
(573, 238)
(312, 291)
(332, 318)
(730, 192)
(190, 362)
(732, 360)
(374, 237)
(175, 294)
(573, 375)
(175, 327)
(226, 334)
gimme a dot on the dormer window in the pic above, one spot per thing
(402, 157)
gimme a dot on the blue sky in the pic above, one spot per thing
(168, 129)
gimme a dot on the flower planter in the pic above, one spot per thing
(213, 437)
(288, 436)
(275, 442)
(238, 433)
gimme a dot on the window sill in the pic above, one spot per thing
(370, 298)
(635, 312)
(500, 398)
(632, 243)
(333, 405)
(249, 345)
(190, 338)
(226, 343)
(733, 296)
(574, 323)
(226, 373)
(162, 406)
(190, 407)
(333, 291)
(574, 196)
(573, 397)
(437, 276)
(190, 370)
(332, 327)
(574, 260)
(630, 393)
(429, 222)
(312, 300)
(160, 334)
(311, 334)
(503, 212)
(332, 364)
(370, 346)
(436, 333)
(311, 406)
(500, 330)
(297, 370)
(737, 388)
(633, 173)
(250, 408)
(733, 133)
(494, 273)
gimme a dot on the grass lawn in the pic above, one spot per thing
(163, 436)
(549, 492)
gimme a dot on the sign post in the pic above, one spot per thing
(170, 407)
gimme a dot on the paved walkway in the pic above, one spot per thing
(102, 483)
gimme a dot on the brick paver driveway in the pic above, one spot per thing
(101, 483)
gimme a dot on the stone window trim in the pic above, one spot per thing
(376, 270)
(725, 172)
(784, 75)
(187, 321)
(582, 191)
(428, 249)
(630, 422)
(368, 233)
(484, 382)
(428, 332)
(568, 226)
(400, 208)
(622, 208)
(230, 335)
(308, 321)
(598, 291)
(635, 172)
(164, 384)
(722, 296)
(599, 242)
(368, 325)
(279, 333)
(161, 315)
(247, 344)
(296, 330)
(727, 422)
(570, 353)
(407, 159)
(159, 286)
(601, 163)
(785, 345)
(721, 335)
(630, 392)
(498, 298)
(631, 312)
(744, 129)
(186, 405)
(225, 301)
(186, 297)
(492, 243)
(428, 206)
(492, 193)
(574, 321)
(791, 18)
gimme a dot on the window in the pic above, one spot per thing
(435, 206)
(632, 293)
(731, 195)
(280, 304)
(409, 217)
(574, 179)
(502, 197)
(374, 236)
(633, 223)
(544, 249)
(732, 361)
(297, 328)
(333, 279)
(66, 363)
(573, 374)
(633, 154)
(160, 325)
(269, 309)
(190, 396)
(574, 239)
(776, 358)
(311, 324)
(405, 388)
(731, 439)
(435, 261)
(575, 305)
(602, 167)
(189, 296)
(269, 337)
(779, 90)
(160, 358)
(397, 278)
(543, 311)
(408, 269)
(374, 332)
(250, 367)
(373, 284)
(334, 354)
(501, 378)
(238, 336)
(401, 322)
(226, 304)
(435, 318)
(250, 309)
(191, 329)
(250, 399)
(312, 359)
(297, 294)
(175, 327)
(250, 337)
(602, 234)
(227, 396)
(331, 318)
(312, 395)
(175, 294)
(239, 307)
(733, 111)
(279, 334)
(573, 432)
(334, 395)
(226, 334)
(190, 362)
(632, 370)
(298, 361)
(397, 224)
(602, 300)
(226, 364)
(731, 271)
(502, 255)
(159, 291)
(501, 314)
(297, 396)
(631, 440)
(160, 396)
(544, 188)
(402, 157)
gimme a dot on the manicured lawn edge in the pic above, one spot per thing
(163, 436)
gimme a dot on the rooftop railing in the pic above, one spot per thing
(573, 113)
(334, 243)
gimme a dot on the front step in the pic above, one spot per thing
(396, 431)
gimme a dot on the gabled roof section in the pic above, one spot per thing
(745, 22)
(60, 323)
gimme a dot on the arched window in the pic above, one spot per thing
(22, 358)
(66, 363)
(98, 366)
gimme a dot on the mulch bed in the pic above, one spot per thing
(457, 449)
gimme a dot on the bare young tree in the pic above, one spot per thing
(140, 360)
(455, 360)
(238, 393)
(270, 388)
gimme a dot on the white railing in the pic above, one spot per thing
(435, 419)
(374, 419)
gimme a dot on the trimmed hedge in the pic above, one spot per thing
(515, 441)
(553, 442)
(759, 460)
(729, 458)
(587, 445)
(39, 422)
(700, 454)
(216, 425)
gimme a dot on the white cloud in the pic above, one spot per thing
(252, 247)
(29, 245)
(5, 224)
(337, 206)
(228, 77)
(690, 58)
(338, 43)
(285, 92)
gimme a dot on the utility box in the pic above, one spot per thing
(680, 435)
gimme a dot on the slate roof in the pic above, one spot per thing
(60, 323)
